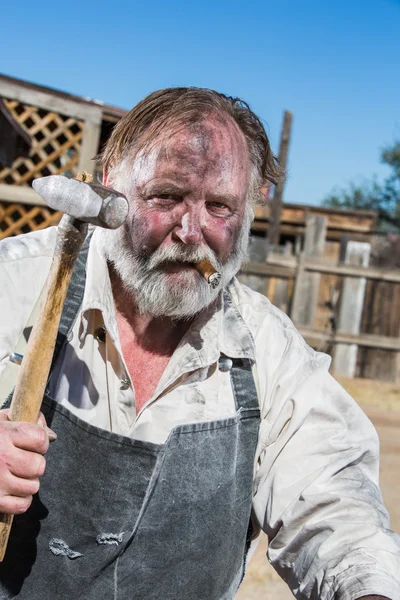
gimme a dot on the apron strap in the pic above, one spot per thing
(244, 387)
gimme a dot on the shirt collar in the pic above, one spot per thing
(236, 339)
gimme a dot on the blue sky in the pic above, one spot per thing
(335, 65)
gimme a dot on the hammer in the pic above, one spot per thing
(82, 202)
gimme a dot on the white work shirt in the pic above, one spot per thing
(316, 469)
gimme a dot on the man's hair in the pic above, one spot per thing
(163, 111)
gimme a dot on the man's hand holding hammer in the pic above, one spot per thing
(22, 461)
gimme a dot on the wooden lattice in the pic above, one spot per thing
(56, 143)
(22, 218)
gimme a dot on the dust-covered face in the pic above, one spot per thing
(187, 202)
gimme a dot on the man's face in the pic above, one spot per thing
(187, 202)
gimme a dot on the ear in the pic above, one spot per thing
(105, 177)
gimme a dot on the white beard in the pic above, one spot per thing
(151, 288)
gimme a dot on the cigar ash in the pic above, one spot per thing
(209, 273)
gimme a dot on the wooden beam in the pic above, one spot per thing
(64, 106)
(276, 204)
(20, 194)
(315, 337)
(350, 271)
(287, 268)
(268, 270)
(295, 230)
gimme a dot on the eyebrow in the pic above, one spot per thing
(170, 187)
(165, 187)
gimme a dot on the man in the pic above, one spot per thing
(180, 411)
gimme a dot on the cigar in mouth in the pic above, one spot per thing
(206, 270)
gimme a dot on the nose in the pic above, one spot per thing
(189, 230)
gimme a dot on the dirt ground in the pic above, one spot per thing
(381, 402)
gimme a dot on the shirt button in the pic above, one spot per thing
(100, 334)
(225, 364)
(125, 384)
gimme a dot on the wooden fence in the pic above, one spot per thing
(65, 132)
(347, 307)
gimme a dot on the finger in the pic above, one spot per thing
(42, 421)
(13, 505)
(51, 434)
(25, 464)
(28, 436)
(22, 488)
(4, 414)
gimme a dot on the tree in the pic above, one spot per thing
(371, 195)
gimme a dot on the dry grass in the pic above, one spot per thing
(373, 394)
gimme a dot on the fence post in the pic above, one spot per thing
(351, 307)
(306, 289)
(90, 143)
(273, 233)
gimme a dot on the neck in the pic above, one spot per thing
(159, 335)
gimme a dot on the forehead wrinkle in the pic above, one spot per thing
(185, 155)
(212, 122)
(199, 136)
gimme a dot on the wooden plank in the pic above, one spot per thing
(276, 205)
(281, 297)
(271, 269)
(350, 271)
(64, 106)
(268, 270)
(90, 146)
(315, 336)
(19, 194)
(306, 290)
(345, 220)
(351, 307)
(381, 316)
(291, 230)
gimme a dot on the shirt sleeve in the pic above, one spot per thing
(316, 489)
(24, 264)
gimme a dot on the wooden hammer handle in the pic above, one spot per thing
(35, 367)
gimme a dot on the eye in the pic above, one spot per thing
(161, 200)
(219, 209)
(167, 197)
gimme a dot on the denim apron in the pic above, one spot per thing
(122, 519)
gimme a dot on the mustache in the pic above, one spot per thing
(178, 253)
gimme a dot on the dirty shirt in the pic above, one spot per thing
(315, 485)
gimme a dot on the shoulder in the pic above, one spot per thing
(282, 357)
(24, 264)
(264, 320)
(28, 246)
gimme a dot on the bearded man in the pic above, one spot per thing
(188, 419)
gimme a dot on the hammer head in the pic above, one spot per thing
(89, 202)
